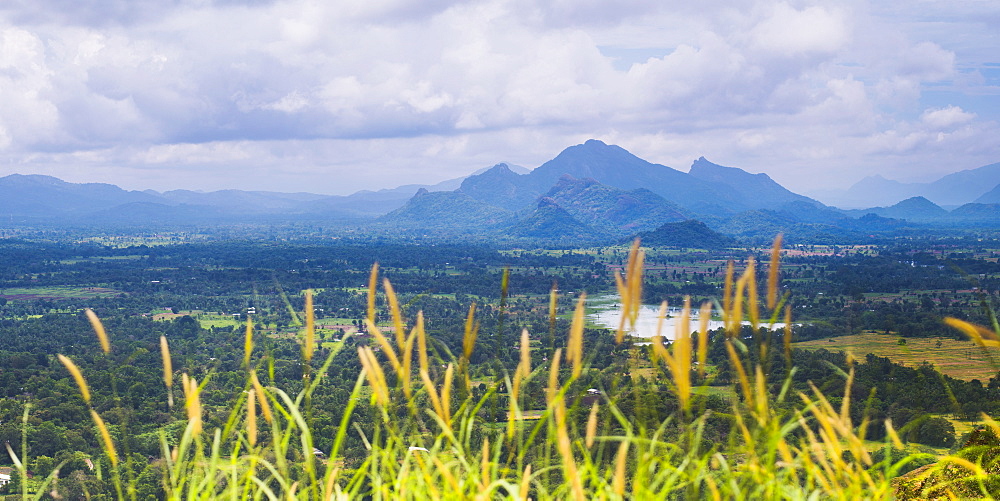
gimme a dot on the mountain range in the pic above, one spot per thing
(590, 192)
(979, 185)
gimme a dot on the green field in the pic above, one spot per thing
(208, 320)
(958, 359)
(56, 292)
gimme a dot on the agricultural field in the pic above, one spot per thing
(958, 359)
(54, 292)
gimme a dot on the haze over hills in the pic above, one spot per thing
(951, 190)
(588, 192)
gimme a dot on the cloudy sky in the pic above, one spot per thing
(333, 97)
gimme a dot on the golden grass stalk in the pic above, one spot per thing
(394, 311)
(703, 317)
(372, 290)
(248, 343)
(98, 327)
(265, 406)
(449, 374)
(563, 444)
(387, 348)
(525, 483)
(252, 416)
(980, 335)
(432, 393)
(523, 367)
(77, 375)
(309, 346)
(553, 388)
(592, 425)
(484, 466)
(741, 373)
(752, 304)
(659, 350)
(520, 374)
(574, 346)
(630, 289)
(734, 315)
(890, 430)
(471, 332)
(109, 446)
(679, 363)
(553, 305)
(727, 290)
(374, 374)
(421, 341)
(192, 403)
(761, 396)
(618, 484)
(13, 456)
(772, 273)
(168, 370)
(407, 364)
(440, 401)
(788, 334)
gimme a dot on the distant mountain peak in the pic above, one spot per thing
(709, 171)
(917, 201)
(758, 190)
(500, 169)
(689, 233)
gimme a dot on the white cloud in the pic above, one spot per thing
(789, 32)
(437, 89)
(946, 118)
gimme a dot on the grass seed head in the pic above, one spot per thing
(168, 369)
(372, 290)
(192, 403)
(703, 317)
(574, 346)
(394, 311)
(98, 327)
(525, 483)
(309, 346)
(77, 375)
(618, 484)
(592, 425)
(109, 445)
(471, 332)
(772, 273)
(248, 344)
(753, 307)
(421, 341)
(265, 406)
(252, 416)
(374, 374)
(553, 387)
(553, 305)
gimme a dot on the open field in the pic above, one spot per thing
(56, 292)
(958, 359)
(209, 320)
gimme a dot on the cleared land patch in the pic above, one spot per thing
(56, 292)
(958, 359)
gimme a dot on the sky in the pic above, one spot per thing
(334, 97)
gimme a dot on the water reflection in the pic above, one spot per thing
(608, 314)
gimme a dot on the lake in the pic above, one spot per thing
(608, 314)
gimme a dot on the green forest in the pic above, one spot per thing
(332, 369)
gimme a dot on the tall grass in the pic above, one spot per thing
(429, 441)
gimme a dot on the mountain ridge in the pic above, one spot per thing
(588, 192)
